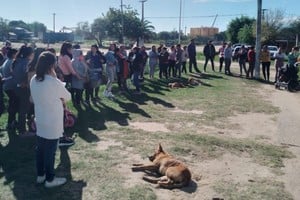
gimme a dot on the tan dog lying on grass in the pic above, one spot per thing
(176, 85)
(174, 174)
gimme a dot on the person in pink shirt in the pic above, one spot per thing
(65, 64)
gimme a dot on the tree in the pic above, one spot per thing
(288, 34)
(271, 25)
(235, 25)
(110, 24)
(220, 36)
(4, 28)
(37, 27)
(164, 35)
(18, 23)
(83, 29)
(246, 35)
(98, 29)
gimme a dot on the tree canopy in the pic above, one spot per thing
(236, 25)
(111, 23)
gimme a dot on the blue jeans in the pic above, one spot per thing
(45, 157)
(136, 80)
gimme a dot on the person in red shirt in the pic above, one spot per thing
(251, 61)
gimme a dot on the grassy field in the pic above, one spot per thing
(93, 169)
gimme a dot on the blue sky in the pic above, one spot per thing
(164, 14)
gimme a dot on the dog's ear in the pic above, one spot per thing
(160, 149)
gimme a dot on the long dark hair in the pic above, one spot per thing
(23, 53)
(37, 53)
(64, 49)
(44, 64)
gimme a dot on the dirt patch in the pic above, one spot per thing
(105, 144)
(253, 126)
(288, 127)
(196, 112)
(131, 178)
(150, 126)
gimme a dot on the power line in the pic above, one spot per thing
(200, 16)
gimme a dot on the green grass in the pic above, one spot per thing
(256, 189)
(93, 174)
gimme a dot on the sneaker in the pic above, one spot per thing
(40, 179)
(56, 182)
(65, 141)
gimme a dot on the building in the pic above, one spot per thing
(204, 31)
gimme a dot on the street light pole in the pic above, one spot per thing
(54, 22)
(258, 39)
(179, 34)
(143, 1)
(141, 40)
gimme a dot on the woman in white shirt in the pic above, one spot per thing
(48, 94)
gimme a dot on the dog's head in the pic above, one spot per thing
(159, 151)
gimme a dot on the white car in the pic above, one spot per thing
(273, 50)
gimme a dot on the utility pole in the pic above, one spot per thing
(122, 39)
(54, 22)
(141, 40)
(179, 34)
(143, 1)
(258, 39)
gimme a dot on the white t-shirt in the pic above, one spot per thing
(48, 107)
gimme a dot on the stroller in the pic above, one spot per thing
(288, 78)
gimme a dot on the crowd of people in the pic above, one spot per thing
(37, 81)
(83, 74)
(248, 55)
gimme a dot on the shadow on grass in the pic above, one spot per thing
(18, 170)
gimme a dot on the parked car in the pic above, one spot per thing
(273, 50)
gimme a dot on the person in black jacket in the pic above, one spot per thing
(163, 62)
(209, 52)
(136, 67)
(192, 56)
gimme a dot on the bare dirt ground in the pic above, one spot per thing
(278, 129)
(288, 133)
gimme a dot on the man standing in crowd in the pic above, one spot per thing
(192, 56)
(209, 52)
(227, 58)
